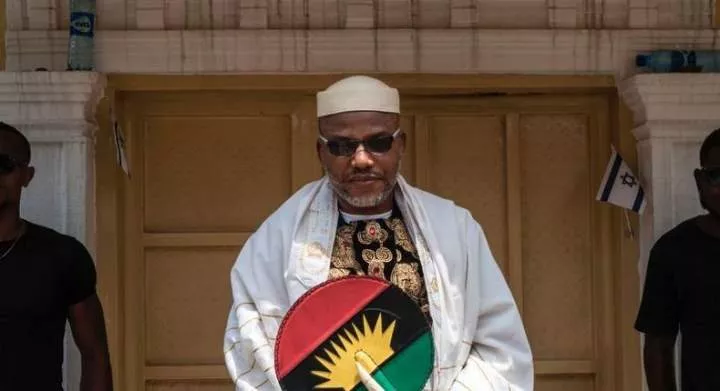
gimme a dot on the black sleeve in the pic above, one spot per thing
(80, 275)
(659, 307)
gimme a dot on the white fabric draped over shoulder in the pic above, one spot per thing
(480, 341)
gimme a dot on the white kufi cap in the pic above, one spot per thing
(358, 93)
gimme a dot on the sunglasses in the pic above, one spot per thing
(346, 148)
(8, 164)
(712, 175)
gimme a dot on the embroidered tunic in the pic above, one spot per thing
(380, 248)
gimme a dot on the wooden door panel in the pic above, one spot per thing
(565, 383)
(207, 169)
(186, 304)
(202, 173)
(407, 166)
(466, 163)
(556, 235)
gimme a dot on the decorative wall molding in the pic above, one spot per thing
(348, 14)
(687, 98)
(42, 102)
(55, 111)
(357, 50)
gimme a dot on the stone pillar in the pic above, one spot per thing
(55, 110)
(672, 115)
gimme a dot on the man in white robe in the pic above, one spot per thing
(480, 342)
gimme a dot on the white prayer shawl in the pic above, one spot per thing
(480, 342)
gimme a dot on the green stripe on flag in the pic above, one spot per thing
(383, 381)
(399, 373)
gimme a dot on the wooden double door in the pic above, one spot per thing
(208, 167)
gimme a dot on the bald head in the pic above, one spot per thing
(14, 143)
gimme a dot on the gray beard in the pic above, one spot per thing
(368, 201)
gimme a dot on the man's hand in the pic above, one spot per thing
(659, 359)
(88, 327)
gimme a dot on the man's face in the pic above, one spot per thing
(708, 182)
(363, 174)
(14, 171)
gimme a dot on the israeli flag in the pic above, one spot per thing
(620, 186)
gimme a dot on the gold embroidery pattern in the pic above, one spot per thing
(396, 260)
(376, 260)
(407, 278)
(402, 238)
(338, 272)
(343, 254)
(373, 232)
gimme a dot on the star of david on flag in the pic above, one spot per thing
(620, 186)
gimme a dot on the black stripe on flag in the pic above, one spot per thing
(638, 200)
(611, 178)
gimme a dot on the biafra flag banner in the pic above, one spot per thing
(353, 327)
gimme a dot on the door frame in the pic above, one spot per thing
(110, 181)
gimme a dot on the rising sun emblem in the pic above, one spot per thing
(341, 368)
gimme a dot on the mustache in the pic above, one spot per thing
(364, 176)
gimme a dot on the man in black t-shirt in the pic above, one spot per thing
(682, 291)
(46, 279)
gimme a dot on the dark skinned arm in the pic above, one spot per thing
(658, 354)
(88, 327)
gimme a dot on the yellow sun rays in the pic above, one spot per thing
(341, 370)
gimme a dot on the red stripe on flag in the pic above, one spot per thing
(311, 322)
